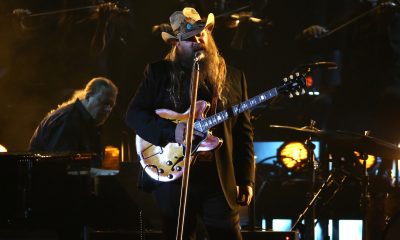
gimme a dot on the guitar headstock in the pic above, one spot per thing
(294, 85)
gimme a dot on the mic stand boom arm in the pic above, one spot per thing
(188, 149)
(109, 5)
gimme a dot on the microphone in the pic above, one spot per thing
(112, 6)
(199, 55)
(163, 27)
(123, 10)
(20, 12)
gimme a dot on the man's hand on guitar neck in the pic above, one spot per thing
(244, 195)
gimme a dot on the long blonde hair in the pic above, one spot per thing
(214, 70)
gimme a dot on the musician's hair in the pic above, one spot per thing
(94, 86)
(214, 70)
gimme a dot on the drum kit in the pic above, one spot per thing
(348, 141)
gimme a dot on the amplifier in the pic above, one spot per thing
(270, 235)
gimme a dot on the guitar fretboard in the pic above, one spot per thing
(220, 117)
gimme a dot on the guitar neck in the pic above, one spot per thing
(235, 110)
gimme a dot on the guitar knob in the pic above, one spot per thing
(160, 171)
(170, 176)
(169, 163)
(178, 168)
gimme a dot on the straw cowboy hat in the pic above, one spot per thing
(186, 24)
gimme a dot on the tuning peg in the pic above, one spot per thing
(297, 93)
(303, 91)
(290, 95)
(285, 79)
(291, 76)
(297, 74)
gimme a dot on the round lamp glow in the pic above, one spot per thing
(293, 155)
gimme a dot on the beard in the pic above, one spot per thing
(186, 57)
(212, 67)
(186, 54)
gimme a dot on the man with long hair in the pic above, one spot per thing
(74, 125)
(222, 179)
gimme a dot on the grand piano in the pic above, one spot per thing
(41, 190)
(38, 187)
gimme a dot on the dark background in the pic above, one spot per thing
(43, 59)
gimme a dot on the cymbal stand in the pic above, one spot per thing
(365, 197)
(310, 208)
(312, 164)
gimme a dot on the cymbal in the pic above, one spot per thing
(306, 129)
(354, 141)
(336, 136)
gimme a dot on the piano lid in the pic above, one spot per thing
(44, 156)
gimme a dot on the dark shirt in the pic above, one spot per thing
(67, 129)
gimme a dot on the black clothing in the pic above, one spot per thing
(234, 160)
(67, 129)
(205, 198)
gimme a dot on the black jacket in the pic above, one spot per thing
(234, 159)
(67, 129)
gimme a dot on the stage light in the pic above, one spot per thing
(2, 148)
(293, 155)
(371, 160)
(111, 158)
(309, 81)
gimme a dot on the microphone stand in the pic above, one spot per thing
(188, 149)
(360, 16)
(310, 219)
(108, 5)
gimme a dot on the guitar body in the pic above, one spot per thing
(165, 164)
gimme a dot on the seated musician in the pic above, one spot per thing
(74, 127)
(223, 179)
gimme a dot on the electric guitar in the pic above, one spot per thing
(165, 164)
